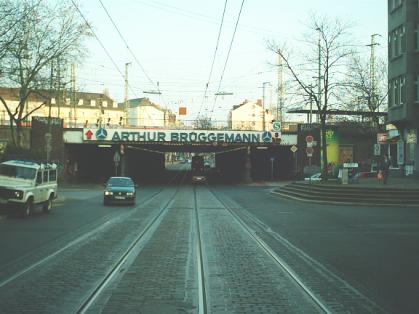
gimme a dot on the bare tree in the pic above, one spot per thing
(328, 49)
(365, 90)
(48, 34)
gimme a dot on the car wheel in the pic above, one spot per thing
(46, 207)
(27, 208)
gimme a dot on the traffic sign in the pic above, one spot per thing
(276, 126)
(309, 138)
(294, 148)
(309, 151)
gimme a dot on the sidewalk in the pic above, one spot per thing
(268, 183)
(392, 183)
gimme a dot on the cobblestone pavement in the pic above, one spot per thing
(162, 275)
(333, 290)
(240, 276)
(60, 285)
(163, 278)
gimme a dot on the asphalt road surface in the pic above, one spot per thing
(208, 249)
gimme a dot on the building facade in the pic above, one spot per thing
(403, 79)
(77, 110)
(250, 115)
(143, 113)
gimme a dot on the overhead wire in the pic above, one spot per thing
(103, 46)
(126, 44)
(227, 58)
(98, 39)
(213, 59)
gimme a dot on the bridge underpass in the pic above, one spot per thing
(146, 163)
(90, 159)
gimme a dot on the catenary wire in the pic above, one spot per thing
(214, 57)
(228, 56)
(126, 44)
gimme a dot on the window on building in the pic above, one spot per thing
(394, 44)
(104, 103)
(402, 40)
(396, 91)
(417, 89)
(390, 94)
(395, 4)
(93, 103)
(402, 90)
(80, 102)
(390, 50)
(397, 42)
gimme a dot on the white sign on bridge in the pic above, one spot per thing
(186, 136)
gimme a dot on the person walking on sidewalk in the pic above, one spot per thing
(385, 167)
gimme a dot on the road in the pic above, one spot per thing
(208, 249)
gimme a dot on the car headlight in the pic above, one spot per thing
(17, 194)
(130, 194)
(108, 193)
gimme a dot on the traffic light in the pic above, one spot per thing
(276, 137)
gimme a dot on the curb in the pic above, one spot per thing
(276, 193)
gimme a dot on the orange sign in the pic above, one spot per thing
(182, 111)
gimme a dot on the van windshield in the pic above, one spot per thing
(17, 172)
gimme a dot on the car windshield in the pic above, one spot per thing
(17, 172)
(120, 182)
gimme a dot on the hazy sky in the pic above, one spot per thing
(175, 41)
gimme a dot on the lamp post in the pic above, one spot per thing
(319, 89)
(263, 106)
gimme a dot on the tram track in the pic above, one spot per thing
(271, 253)
(132, 250)
(333, 292)
(106, 222)
(202, 305)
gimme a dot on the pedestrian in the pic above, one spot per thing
(385, 168)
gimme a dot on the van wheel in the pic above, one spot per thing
(46, 207)
(27, 208)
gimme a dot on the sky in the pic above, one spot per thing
(173, 44)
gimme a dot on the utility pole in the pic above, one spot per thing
(319, 89)
(48, 135)
(73, 94)
(126, 92)
(263, 107)
(58, 82)
(280, 100)
(373, 94)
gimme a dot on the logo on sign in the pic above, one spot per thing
(267, 137)
(101, 134)
(276, 126)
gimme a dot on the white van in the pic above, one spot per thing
(26, 184)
